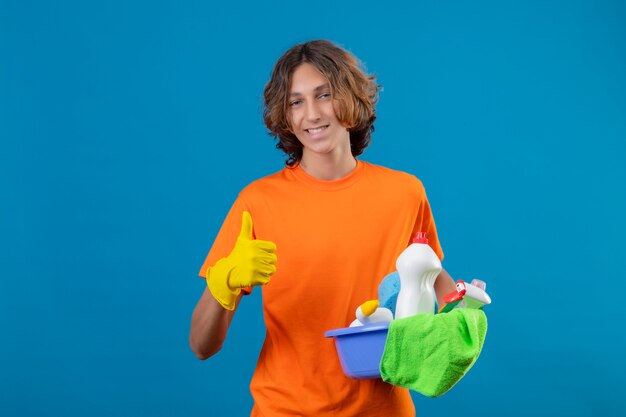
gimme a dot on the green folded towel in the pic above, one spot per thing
(430, 353)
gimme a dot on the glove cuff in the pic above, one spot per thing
(217, 281)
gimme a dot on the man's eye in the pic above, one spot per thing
(324, 96)
(295, 103)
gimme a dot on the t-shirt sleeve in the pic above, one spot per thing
(425, 222)
(226, 237)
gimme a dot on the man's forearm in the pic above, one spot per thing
(444, 284)
(209, 325)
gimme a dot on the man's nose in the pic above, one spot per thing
(312, 110)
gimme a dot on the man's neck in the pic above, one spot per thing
(327, 167)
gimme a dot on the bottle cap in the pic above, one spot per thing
(480, 284)
(420, 237)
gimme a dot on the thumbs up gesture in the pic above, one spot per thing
(255, 260)
(251, 262)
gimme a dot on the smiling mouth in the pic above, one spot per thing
(316, 129)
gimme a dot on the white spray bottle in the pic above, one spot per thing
(418, 267)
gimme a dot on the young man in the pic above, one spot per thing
(319, 236)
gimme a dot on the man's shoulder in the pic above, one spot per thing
(394, 176)
(267, 183)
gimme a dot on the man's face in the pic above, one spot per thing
(312, 114)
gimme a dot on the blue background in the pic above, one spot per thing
(127, 130)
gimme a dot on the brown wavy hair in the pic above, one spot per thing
(354, 95)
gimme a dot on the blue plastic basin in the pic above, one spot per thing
(360, 349)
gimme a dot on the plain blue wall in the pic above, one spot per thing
(128, 128)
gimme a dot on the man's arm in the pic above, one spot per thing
(251, 262)
(444, 284)
(209, 325)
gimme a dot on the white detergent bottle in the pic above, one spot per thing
(418, 267)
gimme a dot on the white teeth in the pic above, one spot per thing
(316, 130)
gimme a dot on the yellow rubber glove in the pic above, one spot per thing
(250, 263)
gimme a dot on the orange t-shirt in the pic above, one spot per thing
(336, 240)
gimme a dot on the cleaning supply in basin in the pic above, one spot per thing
(475, 295)
(418, 267)
(369, 313)
(467, 296)
(388, 290)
